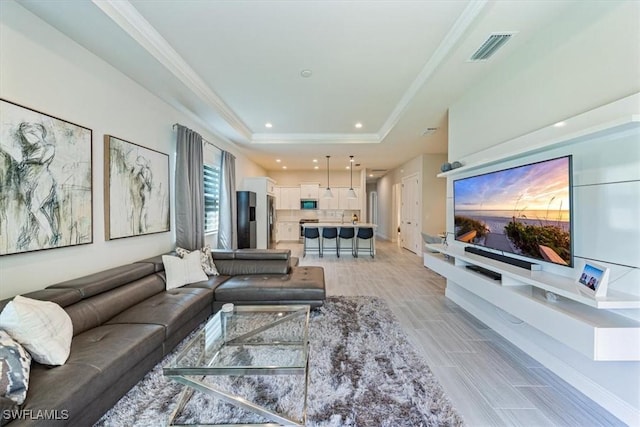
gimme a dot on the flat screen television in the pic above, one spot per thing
(524, 210)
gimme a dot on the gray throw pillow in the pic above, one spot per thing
(15, 366)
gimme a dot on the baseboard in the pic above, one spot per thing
(609, 401)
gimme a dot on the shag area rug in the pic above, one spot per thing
(363, 372)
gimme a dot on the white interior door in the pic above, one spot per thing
(373, 207)
(410, 214)
(396, 214)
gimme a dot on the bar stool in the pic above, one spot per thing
(331, 233)
(347, 233)
(365, 233)
(311, 233)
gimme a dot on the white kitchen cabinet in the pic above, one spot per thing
(289, 198)
(260, 185)
(309, 191)
(277, 194)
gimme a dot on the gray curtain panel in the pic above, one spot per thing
(189, 190)
(227, 238)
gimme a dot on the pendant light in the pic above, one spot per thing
(351, 194)
(327, 193)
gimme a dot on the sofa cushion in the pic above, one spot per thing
(170, 309)
(156, 261)
(252, 261)
(211, 283)
(98, 357)
(62, 297)
(103, 281)
(303, 283)
(42, 327)
(15, 365)
(263, 254)
(96, 310)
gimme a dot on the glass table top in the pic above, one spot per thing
(259, 340)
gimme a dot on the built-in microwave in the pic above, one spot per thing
(308, 204)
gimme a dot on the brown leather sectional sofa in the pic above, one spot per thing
(124, 322)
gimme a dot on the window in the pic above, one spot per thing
(211, 198)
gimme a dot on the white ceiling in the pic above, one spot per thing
(395, 66)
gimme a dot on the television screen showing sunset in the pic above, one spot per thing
(523, 210)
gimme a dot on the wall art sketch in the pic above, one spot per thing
(45, 181)
(136, 189)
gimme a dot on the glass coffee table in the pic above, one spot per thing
(249, 341)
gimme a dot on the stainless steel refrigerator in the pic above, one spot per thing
(246, 219)
(271, 222)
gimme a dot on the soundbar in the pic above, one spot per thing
(486, 272)
(502, 258)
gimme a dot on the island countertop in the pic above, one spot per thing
(338, 224)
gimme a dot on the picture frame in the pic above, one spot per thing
(593, 280)
(136, 189)
(46, 178)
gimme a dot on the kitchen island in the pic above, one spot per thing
(329, 244)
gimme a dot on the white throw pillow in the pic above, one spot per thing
(206, 260)
(42, 327)
(182, 271)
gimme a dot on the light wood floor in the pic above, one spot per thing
(490, 381)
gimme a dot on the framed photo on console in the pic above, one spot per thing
(593, 280)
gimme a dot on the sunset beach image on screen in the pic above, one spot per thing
(525, 210)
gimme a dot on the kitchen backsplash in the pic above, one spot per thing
(320, 214)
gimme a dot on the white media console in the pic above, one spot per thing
(593, 344)
(583, 323)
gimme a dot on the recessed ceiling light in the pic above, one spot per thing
(358, 125)
(278, 160)
(347, 167)
(306, 73)
(560, 124)
(370, 175)
(284, 167)
(268, 125)
(315, 160)
(316, 167)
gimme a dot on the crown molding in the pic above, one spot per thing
(458, 29)
(127, 17)
(301, 138)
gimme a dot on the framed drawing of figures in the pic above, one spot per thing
(45, 181)
(136, 189)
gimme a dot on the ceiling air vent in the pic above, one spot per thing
(490, 46)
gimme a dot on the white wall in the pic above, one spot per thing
(431, 199)
(434, 192)
(44, 70)
(584, 61)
